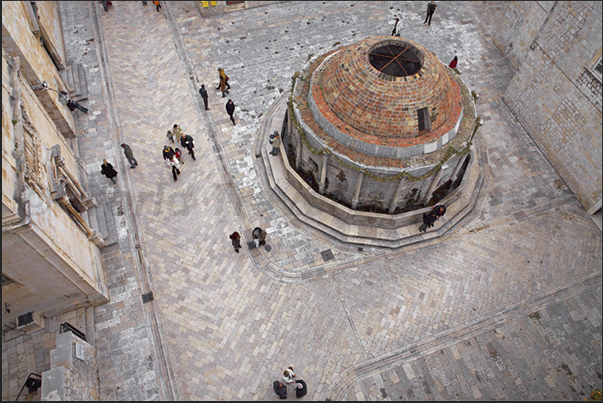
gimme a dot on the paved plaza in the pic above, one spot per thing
(505, 306)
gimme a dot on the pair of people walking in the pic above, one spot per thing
(429, 219)
(185, 140)
(110, 172)
(223, 86)
(172, 161)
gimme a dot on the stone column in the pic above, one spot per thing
(357, 194)
(298, 149)
(458, 167)
(323, 173)
(433, 185)
(394, 202)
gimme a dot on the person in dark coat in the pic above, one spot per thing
(429, 219)
(275, 140)
(108, 171)
(129, 155)
(71, 104)
(301, 389)
(280, 389)
(168, 152)
(203, 93)
(230, 107)
(259, 236)
(187, 142)
(431, 7)
(235, 237)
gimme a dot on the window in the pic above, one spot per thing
(424, 123)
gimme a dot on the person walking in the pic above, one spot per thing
(108, 171)
(178, 155)
(187, 142)
(396, 29)
(223, 85)
(235, 238)
(453, 62)
(173, 162)
(105, 5)
(288, 374)
(280, 389)
(203, 93)
(429, 219)
(168, 152)
(177, 132)
(223, 77)
(157, 5)
(230, 107)
(301, 389)
(431, 7)
(170, 136)
(129, 155)
(259, 237)
(275, 140)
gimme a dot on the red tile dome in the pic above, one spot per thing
(378, 89)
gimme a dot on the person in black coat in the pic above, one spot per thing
(187, 142)
(230, 107)
(300, 389)
(235, 237)
(431, 7)
(203, 93)
(429, 219)
(168, 152)
(280, 389)
(108, 171)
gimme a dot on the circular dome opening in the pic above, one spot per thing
(397, 60)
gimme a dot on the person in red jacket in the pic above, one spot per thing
(453, 63)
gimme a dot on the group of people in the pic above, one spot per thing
(280, 387)
(173, 156)
(224, 87)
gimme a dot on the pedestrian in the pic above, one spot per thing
(175, 168)
(168, 152)
(288, 374)
(301, 389)
(177, 132)
(235, 237)
(108, 171)
(203, 93)
(144, 3)
(223, 77)
(157, 5)
(429, 219)
(230, 107)
(275, 140)
(71, 104)
(453, 63)
(259, 237)
(280, 389)
(431, 7)
(170, 136)
(223, 84)
(187, 142)
(129, 155)
(105, 5)
(396, 29)
(178, 155)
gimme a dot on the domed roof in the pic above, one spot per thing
(385, 91)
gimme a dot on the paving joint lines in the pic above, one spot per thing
(141, 265)
(452, 336)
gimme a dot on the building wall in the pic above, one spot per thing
(555, 94)
(49, 251)
(18, 40)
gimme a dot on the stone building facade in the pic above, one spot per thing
(51, 261)
(556, 92)
(377, 138)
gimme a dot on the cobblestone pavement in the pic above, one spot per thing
(508, 306)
